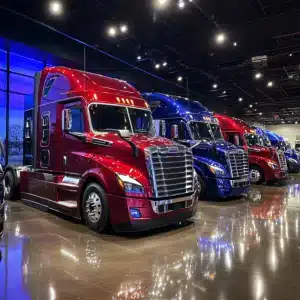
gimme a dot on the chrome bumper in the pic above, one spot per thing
(164, 206)
(235, 183)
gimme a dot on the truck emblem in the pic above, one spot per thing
(173, 150)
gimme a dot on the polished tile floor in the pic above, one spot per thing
(239, 249)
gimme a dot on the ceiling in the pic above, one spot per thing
(185, 38)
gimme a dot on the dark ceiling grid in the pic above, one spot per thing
(185, 39)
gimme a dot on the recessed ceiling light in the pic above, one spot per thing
(181, 4)
(258, 75)
(255, 109)
(291, 54)
(235, 44)
(157, 66)
(56, 7)
(139, 57)
(215, 86)
(260, 113)
(161, 4)
(270, 84)
(220, 38)
(165, 63)
(124, 28)
(224, 92)
(179, 78)
(250, 105)
(240, 99)
(112, 31)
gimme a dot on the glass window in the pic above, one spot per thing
(2, 127)
(49, 85)
(107, 117)
(182, 132)
(77, 120)
(234, 138)
(3, 80)
(45, 129)
(24, 65)
(203, 130)
(141, 120)
(3, 60)
(56, 88)
(252, 140)
(16, 126)
(21, 84)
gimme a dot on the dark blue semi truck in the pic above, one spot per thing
(222, 168)
(272, 139)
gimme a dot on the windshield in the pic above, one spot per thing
(202, 130)
(253, 140)
(109, 117)
(264, 140)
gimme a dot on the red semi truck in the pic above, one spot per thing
(265, 163)
(89, 152)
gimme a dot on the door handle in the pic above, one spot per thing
(65, 160)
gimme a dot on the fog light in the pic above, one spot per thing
(135, 213)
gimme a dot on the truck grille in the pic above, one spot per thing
(239, 164)
(170, 170)
(282, 160)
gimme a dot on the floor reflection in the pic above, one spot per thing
(241, 249)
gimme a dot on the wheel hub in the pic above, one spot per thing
(255, 175)
(94, 207)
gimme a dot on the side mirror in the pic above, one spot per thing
(160, 127)
(66, 120)
(174, 132)
(125, 133)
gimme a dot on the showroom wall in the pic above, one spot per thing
(18, 65)
(290, 132)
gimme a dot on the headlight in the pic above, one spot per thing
(216, 170)
(131, 187)
(273, 165)
(294, 161)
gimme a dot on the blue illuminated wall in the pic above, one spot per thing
(18, 65)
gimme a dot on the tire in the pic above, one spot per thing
(200, 189)
(10, 188)
(256, 175)
(95, 208)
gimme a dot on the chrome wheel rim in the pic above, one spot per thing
(7, 187)
(93, 207)
(255, 175)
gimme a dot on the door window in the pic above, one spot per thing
(77, 120)
(234, 138)
(182, 131)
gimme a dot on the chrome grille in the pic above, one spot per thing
(282, 160)
(170, 170)
(238, 163)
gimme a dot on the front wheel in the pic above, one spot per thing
(256, 175)
(10, 187)
(95, 207)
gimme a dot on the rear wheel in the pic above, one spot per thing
(256, 175)
(95, 207)
(10, 188)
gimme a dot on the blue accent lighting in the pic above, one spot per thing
(135, 213)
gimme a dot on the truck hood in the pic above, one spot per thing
(210, 151)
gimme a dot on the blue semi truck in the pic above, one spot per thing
(222, 168)
(272, 139)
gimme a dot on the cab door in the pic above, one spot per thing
(73, 149)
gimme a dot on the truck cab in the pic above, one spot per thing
(292, 156)
(265, 163)
(222, 167)
(89, 152)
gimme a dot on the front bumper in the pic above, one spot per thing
(225, 187)
(154, 214)
(2, 218)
